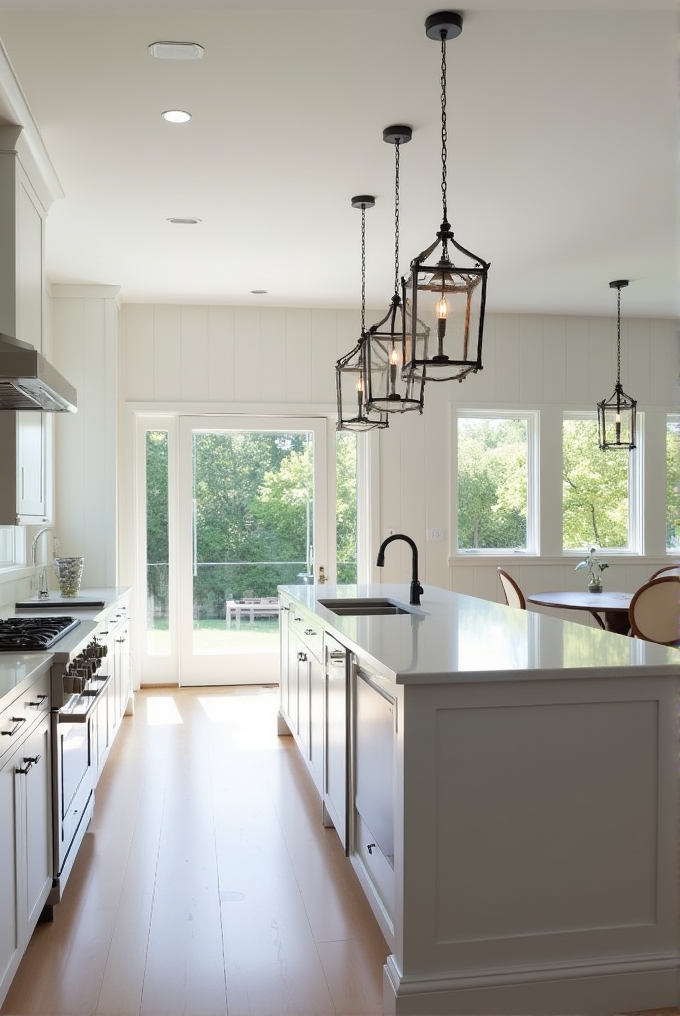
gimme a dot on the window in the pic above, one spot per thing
(673, 483)
(8, 553)
(157, 543)
(495, 482)
(346, 505)
(600, 490)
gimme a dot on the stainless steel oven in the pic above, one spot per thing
(79, 676)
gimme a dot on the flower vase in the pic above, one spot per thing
(594, 584)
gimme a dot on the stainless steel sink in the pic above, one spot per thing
(353, 608)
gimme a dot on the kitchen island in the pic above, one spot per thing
(511, 796)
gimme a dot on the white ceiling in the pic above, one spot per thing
(562, 147)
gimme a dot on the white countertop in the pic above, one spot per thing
(75, 605)
(17, 667)
(452, 637)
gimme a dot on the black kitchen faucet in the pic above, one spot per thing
(416, 588)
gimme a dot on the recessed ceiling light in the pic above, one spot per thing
(176, 116)
(183, 222)
(259, 292)
(176, 50)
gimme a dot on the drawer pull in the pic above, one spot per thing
(17, 721)
(29, 763)
(302, 657)
(38, 703)
(309, 631)
(370, 847)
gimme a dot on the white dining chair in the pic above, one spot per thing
(654, 611)
(669, 569)
(514, 596)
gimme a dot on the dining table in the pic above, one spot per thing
(610, 609)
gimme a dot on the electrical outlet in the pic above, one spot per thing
(435, 534)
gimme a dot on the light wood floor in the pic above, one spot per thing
(206, 884)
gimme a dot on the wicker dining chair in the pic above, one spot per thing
(654, 611)
(514, 597)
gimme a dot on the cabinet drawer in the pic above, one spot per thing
(308, 630)
(18, 717)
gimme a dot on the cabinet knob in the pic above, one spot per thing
(309, 631)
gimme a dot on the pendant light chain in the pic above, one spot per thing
(445, 223)
(618, 337)
(396, 216)
(363, 269)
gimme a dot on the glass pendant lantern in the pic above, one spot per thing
(390, 390)
(444, 299)
(350, 370)
(616, 416)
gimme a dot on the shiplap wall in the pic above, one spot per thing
(206, 355)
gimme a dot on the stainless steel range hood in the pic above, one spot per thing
(28, 381)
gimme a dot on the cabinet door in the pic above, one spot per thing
(294, 648)
(303, 683)
(316, 695)
(337, 706)
(37, 793)
(9, 875)
(122, 667)
(283, 639)
(31, 466)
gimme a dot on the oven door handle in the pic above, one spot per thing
(68, 717)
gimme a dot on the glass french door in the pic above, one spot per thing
(252, 513)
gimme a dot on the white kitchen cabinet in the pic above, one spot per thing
(26, 466)
(302, 690)
(513, 809)
(25, 826)
(335, 736)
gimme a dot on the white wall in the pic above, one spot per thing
(85, 350)
(220, 355)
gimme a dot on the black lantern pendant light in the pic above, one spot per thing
(350, 370)
(449, 298)
(390, 390)
(616, 415)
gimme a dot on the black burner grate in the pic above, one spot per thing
(31, 634)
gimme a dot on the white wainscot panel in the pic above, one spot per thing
(554, 360)
(139, 352)
(324, 343)
(299, 356)
(273, 348)
(247, 354)
(531, 358)
(167, 347)
(194, 324)
(597, 771)
(577, 339)
(506, 366)
(221, 386)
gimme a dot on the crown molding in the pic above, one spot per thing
(30, 147)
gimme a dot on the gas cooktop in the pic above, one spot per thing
(31, 634)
